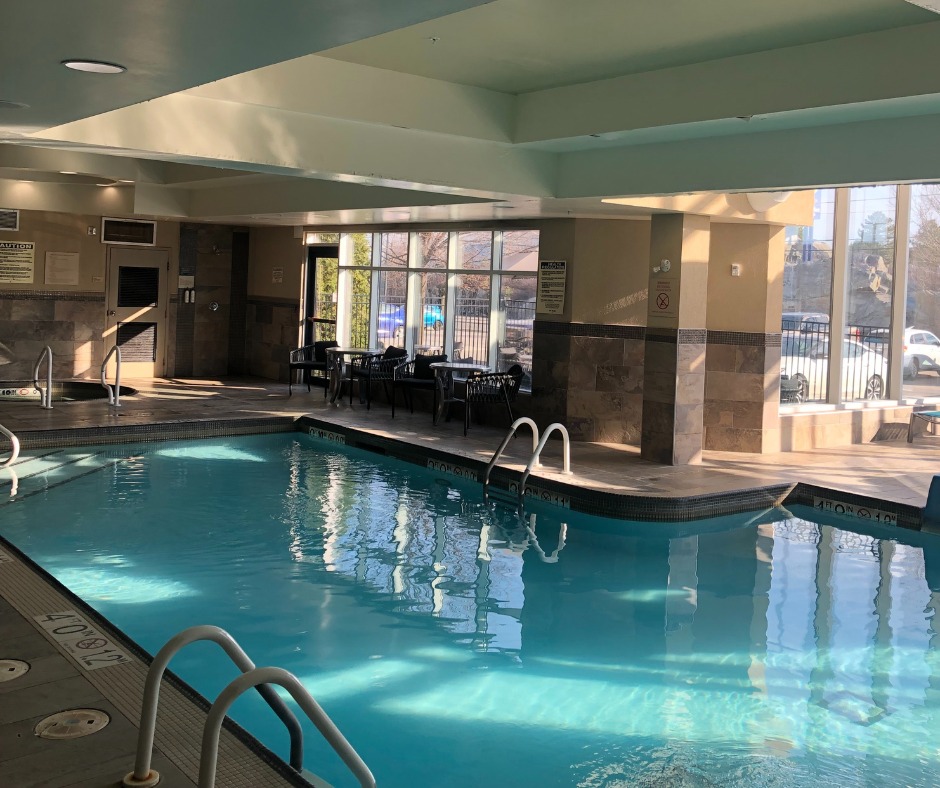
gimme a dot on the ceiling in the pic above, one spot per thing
(457, 110)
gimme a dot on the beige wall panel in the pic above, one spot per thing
(608, 282)
(270, 248)
(751, 301)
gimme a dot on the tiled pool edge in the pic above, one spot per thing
(178, 699)
(623, 506)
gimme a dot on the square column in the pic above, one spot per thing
(674, 368)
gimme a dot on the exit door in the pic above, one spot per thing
(137, 307)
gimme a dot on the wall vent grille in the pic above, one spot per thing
(130, 232)
(9, 219)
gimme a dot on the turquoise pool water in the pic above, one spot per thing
(457, 646)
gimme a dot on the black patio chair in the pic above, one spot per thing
(492, 388)
(415, 374)
(377, 369)
(310, 359)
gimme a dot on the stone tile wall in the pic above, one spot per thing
(272, 329)
(590, 377)
(742, 391)
(70, 322)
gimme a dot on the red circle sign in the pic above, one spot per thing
(662, 301)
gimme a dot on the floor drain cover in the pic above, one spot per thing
(12, 669)
(72, 724)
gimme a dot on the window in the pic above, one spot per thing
(470, 294)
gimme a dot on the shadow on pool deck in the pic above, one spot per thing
(891, 471)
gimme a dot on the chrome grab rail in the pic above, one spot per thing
(14, 442)
(45, 400)
(534, 459)
(114, 394)
(264, 676)
(143, 776)
(502, 447)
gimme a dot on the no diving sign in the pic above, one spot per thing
(664, 300)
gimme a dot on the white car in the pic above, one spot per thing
(804, 364)
(921, 352)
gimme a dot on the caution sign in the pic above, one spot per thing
(17, 262)
(551, 287)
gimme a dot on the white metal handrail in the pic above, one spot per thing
(45, 400)
(258, 676)
(15, 446)
(534, 459)
(143, 776)
(114, 394)
(502, 447)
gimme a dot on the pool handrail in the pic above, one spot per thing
(114, 394)
(502, 447)
(45, 400)
(143, 775)
(14, 443)
(315, 713)
(534, 459)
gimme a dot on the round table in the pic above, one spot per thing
(337, 358)
(444, 390)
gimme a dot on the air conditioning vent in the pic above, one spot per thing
(9, 219)
(132, 232)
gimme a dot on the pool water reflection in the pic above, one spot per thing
(454, 643)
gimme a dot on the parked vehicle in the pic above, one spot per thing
(921, 352)
(391, 320)
(805, 321)
(804, 367)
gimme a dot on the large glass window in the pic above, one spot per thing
(922, 307)
(869, 289)
(470, 294)
(807, 303)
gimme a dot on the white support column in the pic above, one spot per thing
(496, 314)
(414, 308)
(902, 229)
(451, 310)
(344, 290)
(840, 278)
(374, 290)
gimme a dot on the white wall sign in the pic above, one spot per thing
(551, 290)
(61, 268)
(187, 282)
(277, 276)
(17, 262)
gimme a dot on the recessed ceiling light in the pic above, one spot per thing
(124, 180)
(94, 66)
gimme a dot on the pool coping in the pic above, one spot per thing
(173, 688)
(581, 497)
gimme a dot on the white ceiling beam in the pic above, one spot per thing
(190, 128)
(317, 85)
(865, 68)
(881, 151)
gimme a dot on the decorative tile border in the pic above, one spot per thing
(751, 339)
(52, 295)
(290, 303)
(598, 330)
(541, 494)
(905, 515)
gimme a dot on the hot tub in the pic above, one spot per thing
(62, 391)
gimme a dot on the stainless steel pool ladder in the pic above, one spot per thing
(537, 446)
(114, 394)
(261, 678)
(14, 453)
(502, 447)
(45, 400)
(14, 446)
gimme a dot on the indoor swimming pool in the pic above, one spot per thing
(457, 644)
